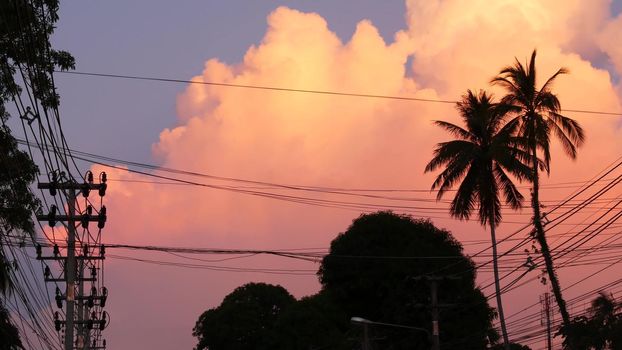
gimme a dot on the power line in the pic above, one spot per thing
(308, 91)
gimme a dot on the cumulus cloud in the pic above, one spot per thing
(339, 141)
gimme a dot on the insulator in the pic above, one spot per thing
(57, 323)
(85, 250)
(84, 220)
(89, 209)
(53, 185)
(101, 221)
(102, 177)
(102, 251)
(38, 248)
(86, 189)
(93, 291)
(89, 176)
(52, 216)
(102, 301)
(93, 271)
(56, 250)
(59, 298)
(102, 189)
(102, 322)
(90, 302)
(47, 272)
(104, 342)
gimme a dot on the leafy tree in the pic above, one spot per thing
(244, 320)
(538, 112)
(481, 156)
(370, 272)
(25, 28)
(599, 329)
(313, 323)
(9, 336)
(25, 56)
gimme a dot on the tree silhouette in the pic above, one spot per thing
(9, 336)
(599, 329)
(538, 113)
(480, 158)
(369, 273)
(244, 320)
(25, 27)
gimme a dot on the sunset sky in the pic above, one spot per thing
(428, 49)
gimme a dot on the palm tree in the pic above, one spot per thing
(538, 115)
(481, 157)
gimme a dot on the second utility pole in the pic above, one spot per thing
(70, 272)
(436, 343)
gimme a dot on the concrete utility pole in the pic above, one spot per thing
(545, 319)
(70, 268)
(433, 282)
(436, 342)
(77, 325)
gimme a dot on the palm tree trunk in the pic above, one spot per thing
(495, 268)
(544, 246)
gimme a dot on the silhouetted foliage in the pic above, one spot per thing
(314, 322)
(370, 269)
(599, 329)
(368, 273)
(9, 336)
(25, 56)
(244, 320)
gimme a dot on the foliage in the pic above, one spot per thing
(481, 157)
(25, 57)
(9, 336)
(25, 28)
(244, 320)
(314, 322)
(599, 329)
(370, 273)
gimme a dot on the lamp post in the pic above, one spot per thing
(366, 323)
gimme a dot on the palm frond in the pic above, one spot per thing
(512, 195)
(567, 144)
(455, 130)
(448, 151)
(571, 128)
(550, 81)
(466, 196)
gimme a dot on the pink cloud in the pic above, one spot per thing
(336, 141)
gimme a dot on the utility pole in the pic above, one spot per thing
(79, 328)
(545, 318)
(436, 342)
(433, 282)
(70, 268)
(366, 341)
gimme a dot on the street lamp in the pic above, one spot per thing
(366, 323)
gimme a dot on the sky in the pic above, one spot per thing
(423, 49)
